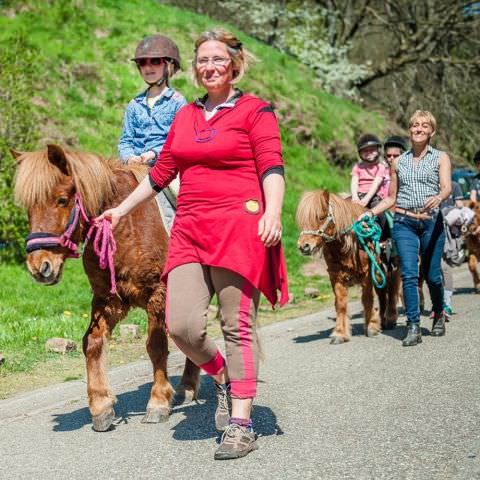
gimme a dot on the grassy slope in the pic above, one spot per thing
(84, 83)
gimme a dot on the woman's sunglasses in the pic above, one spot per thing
(141, 62)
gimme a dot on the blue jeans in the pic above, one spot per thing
(427, 238)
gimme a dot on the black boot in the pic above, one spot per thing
(438, 326)
(414, 335)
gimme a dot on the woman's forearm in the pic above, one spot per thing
(384, 205)
(141, 194)
(445, 175)
(274, 190)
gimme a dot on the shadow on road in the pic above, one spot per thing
(129, 404)
(397, 333)
(355, 316)
(198, 423)
(465, 291)
(400, 332)
(357, 329)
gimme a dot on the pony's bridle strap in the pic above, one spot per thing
(44, 240)
(321, 231)
(104, 244)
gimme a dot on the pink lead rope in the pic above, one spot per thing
(104, 246)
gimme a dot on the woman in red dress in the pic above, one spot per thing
(226, 236)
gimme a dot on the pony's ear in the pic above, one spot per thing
(57, 157)
(472, 204)
(16, 154)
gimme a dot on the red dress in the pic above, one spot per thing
(220, 201)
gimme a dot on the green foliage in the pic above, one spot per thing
(297, 27)
(17, 128)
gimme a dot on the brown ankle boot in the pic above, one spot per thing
(414, 335)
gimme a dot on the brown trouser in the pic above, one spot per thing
(189, 292)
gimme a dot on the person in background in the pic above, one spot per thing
(226, 236)
(420, 181)
(150, 114)
(453, 202)
(393, 147)
(475, 184)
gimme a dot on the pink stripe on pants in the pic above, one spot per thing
(246, 387)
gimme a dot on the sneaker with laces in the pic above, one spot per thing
(237, 441)
(438, 326)
(224, 407)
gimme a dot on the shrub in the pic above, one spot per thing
(18, 129)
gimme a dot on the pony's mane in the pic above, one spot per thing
(313, 210)
(345, 212)
(92, 175)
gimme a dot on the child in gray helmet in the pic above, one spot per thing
(149, 115)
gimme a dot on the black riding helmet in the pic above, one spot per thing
(368, 140)
(396, 141)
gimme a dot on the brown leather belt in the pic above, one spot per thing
(410, 213)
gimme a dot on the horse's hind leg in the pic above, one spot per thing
(382, 302)
(187, 390)
(159, 404)
(393, 289)
(105, 316)
(342, 332)
(372, 321)
(472, 266)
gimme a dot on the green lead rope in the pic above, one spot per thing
(367, 230)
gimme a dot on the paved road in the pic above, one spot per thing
(369, 409)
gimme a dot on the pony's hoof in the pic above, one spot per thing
(156, 415)
(183, 396)
(372, 332)
(102, 422)
(336, 340)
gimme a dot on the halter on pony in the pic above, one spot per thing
(321, 231)
(364, 233)
(45, 240)
(104, 244)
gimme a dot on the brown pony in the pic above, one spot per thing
(48, 184)
(472, 242)
(325, 220)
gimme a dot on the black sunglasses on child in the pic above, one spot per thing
(141, 62)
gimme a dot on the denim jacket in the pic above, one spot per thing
(146, 129)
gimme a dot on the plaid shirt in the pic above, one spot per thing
(418, 182)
